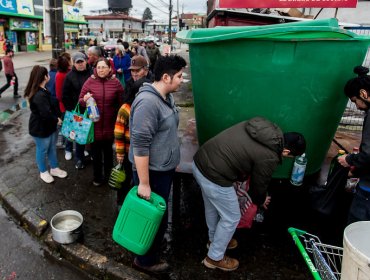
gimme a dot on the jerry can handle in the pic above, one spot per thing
(160, 205)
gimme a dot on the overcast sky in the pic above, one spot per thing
(158, 7)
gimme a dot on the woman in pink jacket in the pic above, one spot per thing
(107, 92)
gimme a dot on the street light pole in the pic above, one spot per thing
(170, 26)
(57, 27)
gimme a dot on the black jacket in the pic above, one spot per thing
(361, 161)
(132, 87)
(72, 86)
(250, 148)
(44, 115)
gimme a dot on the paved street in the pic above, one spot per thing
(22, 257)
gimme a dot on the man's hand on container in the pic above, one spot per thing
(267, 202)
(144, 191)
(120, 158)
(342, 161)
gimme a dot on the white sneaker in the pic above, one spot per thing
(68, 155)
(46, 177)
(57, 172)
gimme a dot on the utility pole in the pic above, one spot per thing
(57, 27)
(178, 19)
(170, 26)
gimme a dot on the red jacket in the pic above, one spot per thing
(59, 81)
(8, 65)
(108, 94)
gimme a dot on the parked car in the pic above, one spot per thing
(109, 47)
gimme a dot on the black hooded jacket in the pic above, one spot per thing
(72, 86)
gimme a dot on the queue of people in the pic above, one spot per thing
(140, 117)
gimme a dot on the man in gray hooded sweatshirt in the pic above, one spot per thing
(250, 149)
(154, 145)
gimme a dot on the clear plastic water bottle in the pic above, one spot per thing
(299, 168)
(92, 110)
(260, 216)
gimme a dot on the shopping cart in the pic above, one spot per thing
(327, 259)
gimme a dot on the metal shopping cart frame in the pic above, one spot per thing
(327, 259)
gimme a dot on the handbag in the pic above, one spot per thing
(77, 127)
(327, 199)
(121, 79)
(117, 177)
(248, 209)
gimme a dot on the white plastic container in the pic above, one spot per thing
(356, 252)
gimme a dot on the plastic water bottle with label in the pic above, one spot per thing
(299, 168)
(92, 110)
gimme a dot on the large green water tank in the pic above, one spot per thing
(292, 74)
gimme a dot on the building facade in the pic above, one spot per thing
(114, 26)
(22, 22)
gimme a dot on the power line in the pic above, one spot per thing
(164, 3)
(155, 7)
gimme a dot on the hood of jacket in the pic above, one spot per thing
(266, 133)
(147, 87)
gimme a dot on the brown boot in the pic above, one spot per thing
(226, 264)
(232, 244)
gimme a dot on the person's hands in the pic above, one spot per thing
(119, 70)
(120, 158)
(342, 161)
(267, 202)
(144, 191)
(60, 121)
(87, 96)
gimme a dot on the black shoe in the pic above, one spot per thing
(79, 165)
(17, 96)
(98, 182)
(160, 267)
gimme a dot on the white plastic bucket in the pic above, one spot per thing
(356, 252)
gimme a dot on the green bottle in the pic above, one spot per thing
(334, 161)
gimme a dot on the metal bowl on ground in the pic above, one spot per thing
(66, 226)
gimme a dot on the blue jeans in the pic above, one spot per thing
(46, 147)
(222, 213)
(160, 183)
(360, 207)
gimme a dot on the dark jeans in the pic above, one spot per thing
(8, 80)
(102, 153)
(127, 184)
(160, 183)
(360, 208)
(79, 150)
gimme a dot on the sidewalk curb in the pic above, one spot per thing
(77, 254)
(92, 262)
(26, 217)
